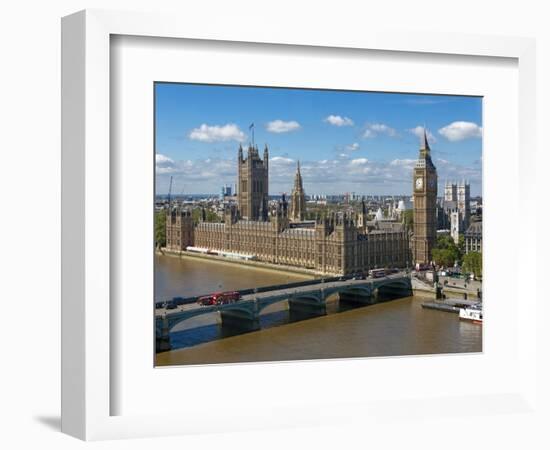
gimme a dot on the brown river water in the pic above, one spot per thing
(397, 327)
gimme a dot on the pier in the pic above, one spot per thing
(449, 305)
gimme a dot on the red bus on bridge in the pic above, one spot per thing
(377, 273)
(219, 298)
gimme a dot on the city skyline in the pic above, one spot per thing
(362, 142)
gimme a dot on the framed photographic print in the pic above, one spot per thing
(298, 229)
(330, 214)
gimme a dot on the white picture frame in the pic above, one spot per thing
(87, 178)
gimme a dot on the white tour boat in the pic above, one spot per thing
(472, 313)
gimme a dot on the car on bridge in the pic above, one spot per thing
(219, 298)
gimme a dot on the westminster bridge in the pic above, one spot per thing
(308, 297)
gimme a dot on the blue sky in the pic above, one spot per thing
(363, 142)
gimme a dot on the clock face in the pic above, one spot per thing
(418, 183)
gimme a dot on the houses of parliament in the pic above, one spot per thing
(339, 243)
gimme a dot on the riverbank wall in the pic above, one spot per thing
(310, 273)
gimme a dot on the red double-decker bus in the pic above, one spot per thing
(219, 298)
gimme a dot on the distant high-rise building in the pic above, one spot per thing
(425, 198)
(225, 191)
(253, 184)
(297, 198)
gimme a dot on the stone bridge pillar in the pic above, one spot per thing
(163, 340)
(391, 291)
(305, 307)
(357, 297)
(245, 320)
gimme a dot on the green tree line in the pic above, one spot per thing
(160, 229)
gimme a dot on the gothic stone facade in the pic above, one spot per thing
(339, 244)
(297, 198)
(180, 230)
(253, 184)
(473, 238)
(334, 245)
(456, 208)
(425, 199)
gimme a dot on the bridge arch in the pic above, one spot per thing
(361, 290)
(313, 298)
(393, 288)
(164, 326)
(193, 320)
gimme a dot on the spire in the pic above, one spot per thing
(298, 178)
(424, 141)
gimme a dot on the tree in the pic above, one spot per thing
(444, 256)
(473, 262)
(446, 251)
(210, 216)
(160, 229)
(408, 218)
(461, 244)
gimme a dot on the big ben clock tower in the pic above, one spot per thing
(425, 197)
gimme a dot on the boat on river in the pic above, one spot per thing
(472, 313)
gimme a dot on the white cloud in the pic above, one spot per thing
(339, 121)
(281, 160)
(164, 164)
(369, 134)
(403, 162)
(418, 131)
(162, 159)
(280, 126)
(338, 174)
(374, 129)
(213, 133)
(458, 131)
(352, 147)
(164, 170)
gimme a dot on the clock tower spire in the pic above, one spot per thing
(425, 199)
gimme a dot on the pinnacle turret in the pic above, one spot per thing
(424, 141)
(298, 185)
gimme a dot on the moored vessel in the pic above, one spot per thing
(472, 313)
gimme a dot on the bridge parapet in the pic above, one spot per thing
(311, 298)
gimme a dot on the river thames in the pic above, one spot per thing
(397, 327)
